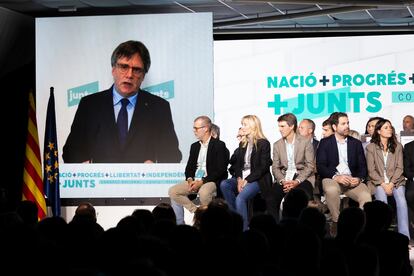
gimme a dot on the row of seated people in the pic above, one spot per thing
(339, 161)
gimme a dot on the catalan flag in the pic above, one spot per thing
(32, 175)
(51, 159)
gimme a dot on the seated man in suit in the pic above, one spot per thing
(409, 186)
(341, 163)
(206, 168)
(293, 160)
(123, 124)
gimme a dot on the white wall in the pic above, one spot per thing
(109, 216)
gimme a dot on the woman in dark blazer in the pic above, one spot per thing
(385, 170)
(252, 169)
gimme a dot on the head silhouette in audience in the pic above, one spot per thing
(145, 218)
(27, 210)
(351, 223)
(198, 214)
(378, 216)
(164, 211)
(295, 201)
(85, 211)
(314, 220)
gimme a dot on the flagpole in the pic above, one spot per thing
(51, 158)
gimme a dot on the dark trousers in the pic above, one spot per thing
(409, 195)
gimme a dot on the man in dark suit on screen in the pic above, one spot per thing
(123, 124)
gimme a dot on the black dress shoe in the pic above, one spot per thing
(192, 196)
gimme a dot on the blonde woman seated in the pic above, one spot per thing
(385, 169)
(251, 170)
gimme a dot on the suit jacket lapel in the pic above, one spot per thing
(391, 161)
(349, 152)
(253, 154)
(283, 153)
(242, 153)
(296, 147)
(335, 150)
(209, 149)
(380, 155)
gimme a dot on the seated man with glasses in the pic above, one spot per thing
(206, 168)
(123, 124)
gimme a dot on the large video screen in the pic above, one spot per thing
(73, 55)
(365, 76)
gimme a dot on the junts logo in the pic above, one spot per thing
(76, 93)
(164, 90)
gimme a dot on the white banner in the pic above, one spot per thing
(119, 180)
(365, 76)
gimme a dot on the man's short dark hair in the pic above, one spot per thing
(85, 211)
(290, 119)
(128, 49)
(327, 122)
(335, 117)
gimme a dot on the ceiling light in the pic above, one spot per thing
(67, 9)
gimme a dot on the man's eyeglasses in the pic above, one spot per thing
(124, 68)
(197, 128)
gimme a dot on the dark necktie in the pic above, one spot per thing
(122, 122)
